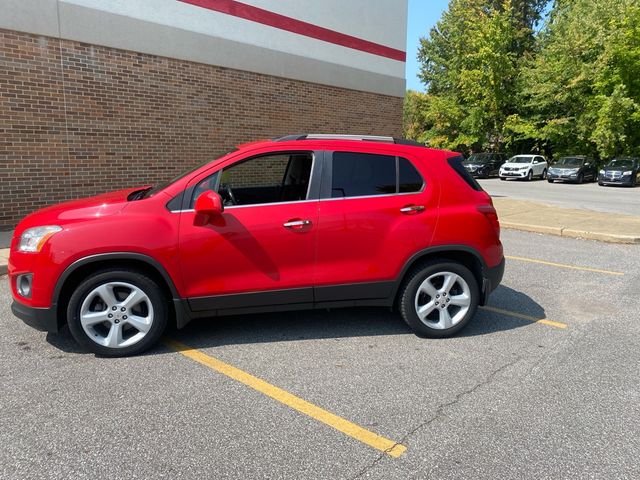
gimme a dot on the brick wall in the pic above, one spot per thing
(78, 119)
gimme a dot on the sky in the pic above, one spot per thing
(423, 14)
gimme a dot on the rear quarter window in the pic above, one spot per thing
(456, 164)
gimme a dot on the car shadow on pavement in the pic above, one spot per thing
(508, 300)
(324, 324)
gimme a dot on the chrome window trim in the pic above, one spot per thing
(399, 194)
(231, 207)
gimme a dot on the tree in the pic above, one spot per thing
(581, 92)
(469, 63)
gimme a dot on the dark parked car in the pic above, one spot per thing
(575, 169)
(485, 165)
(620, 171)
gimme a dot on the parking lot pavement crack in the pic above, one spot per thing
(440, 413)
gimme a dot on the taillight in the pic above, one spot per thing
(490, 212)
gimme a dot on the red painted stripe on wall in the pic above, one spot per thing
(282, 22)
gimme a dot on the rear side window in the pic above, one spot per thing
(456, 164)
(364, 174)
(409, 178)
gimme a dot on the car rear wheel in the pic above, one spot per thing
(117, 312)
(439, 299)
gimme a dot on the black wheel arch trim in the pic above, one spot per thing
(182, 316)
(442, 249)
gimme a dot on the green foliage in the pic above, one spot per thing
(491, 83)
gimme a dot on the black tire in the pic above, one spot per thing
(549, 180)
(409, 290)
(503, 178)
(580, 178)
(148, 286)
(530, 176)
(601, 184)
(544, 174)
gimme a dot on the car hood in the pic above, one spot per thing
(565, 167)
(477, 165)
(82, 209)
(617, 169)
(515, 165)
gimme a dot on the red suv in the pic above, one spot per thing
(299, 222)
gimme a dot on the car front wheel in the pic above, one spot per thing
(530, 176)
(117, 312)
(439, 299)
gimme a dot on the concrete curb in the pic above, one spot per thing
(4, 258)
(572, 233)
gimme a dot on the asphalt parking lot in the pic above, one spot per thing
(588, 196)
(511, 397)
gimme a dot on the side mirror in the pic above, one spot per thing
(209, 203)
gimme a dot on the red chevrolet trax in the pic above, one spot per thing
(299, 222)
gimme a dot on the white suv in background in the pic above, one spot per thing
(524, 166)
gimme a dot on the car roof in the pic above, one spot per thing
(331, 142)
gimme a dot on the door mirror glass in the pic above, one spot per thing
(209, 203)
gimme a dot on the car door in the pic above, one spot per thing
(376, 210)
(539, 166)
(260, 250)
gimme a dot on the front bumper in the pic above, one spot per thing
(570, 177)
(513, 174)
(44, 319)
(627, 181)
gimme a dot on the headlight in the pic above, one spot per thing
(628, 172)
(601, 172)
(33, 239)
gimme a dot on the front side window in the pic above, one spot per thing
(365, 174)
(282, 177)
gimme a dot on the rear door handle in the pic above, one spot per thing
(409, 209)
(297, 224)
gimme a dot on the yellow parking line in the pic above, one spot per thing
(563, 265)
(509, 313)
(363, 435)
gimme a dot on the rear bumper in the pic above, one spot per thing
(44, 319)
(492, 278)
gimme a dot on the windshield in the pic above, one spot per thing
(570, 162)
(477, 158)
(621, 163)
(520, 159)
(161, 186)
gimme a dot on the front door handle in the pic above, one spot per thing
(412, 209)
(297, 224)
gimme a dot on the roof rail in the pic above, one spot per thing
(362, 138)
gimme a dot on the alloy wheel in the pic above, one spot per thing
(442, 300)
(116, 315)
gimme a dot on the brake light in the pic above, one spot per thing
(490, 212)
